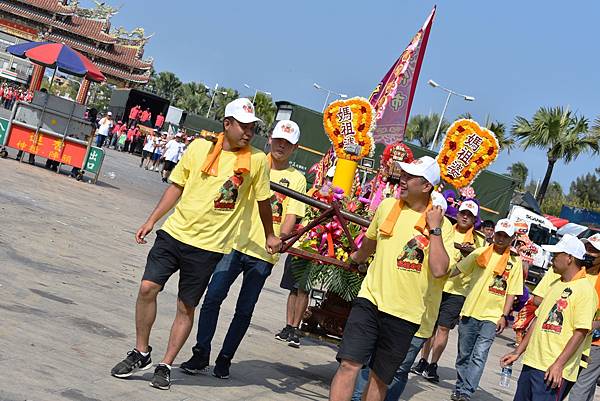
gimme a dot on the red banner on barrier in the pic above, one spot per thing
(48, 146)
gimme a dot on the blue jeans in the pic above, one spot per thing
(475, 338)
(531, 386)
(255, 273)
(100, 140)
(395, 389)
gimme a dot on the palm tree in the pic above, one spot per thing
(192, 97)
(167, 85)
(561, 133)
(519, 172)
(421, 129)
(265, 109)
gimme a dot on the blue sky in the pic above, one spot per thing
(512, 56)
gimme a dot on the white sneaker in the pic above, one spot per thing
(151, 168)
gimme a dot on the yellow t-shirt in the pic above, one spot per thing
(459, 285)
(251, 237)
(549, 278)
(396, 281)
(566, 307)
(432, 299)
(209, 211)
(488, 292)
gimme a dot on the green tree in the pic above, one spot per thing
(265, 110)
(421, 129)
(554, 199)
(560, 132)
(519, 172)
(167, 84)
(192, 97)
(586, 187)
(99, 96)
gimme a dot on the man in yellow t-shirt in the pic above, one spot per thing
(212, 186)
(553, 346)
(432, 298)
(455, 290)
(249, 258)
(407, 236)
(496, 277)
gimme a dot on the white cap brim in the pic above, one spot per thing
(277, 135)
(413, 169)
(245, 118)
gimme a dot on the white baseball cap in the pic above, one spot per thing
(109, 113)
(470, 206)
(437, 199)
(568, 244)
(425, 167)
(594, 240)
(242, 110)
(506, 226)
(288, 130)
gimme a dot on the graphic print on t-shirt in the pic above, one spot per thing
(554, 321)
(277, 202)
(413, 254)
(228, 193)
(499, 285)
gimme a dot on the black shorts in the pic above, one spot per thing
(147, 154)
(169, 165)
(450, 308)
(378, 337)
(195, 266)
(288, 280)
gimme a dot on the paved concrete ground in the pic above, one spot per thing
(70, 274)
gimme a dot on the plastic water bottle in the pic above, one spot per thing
(505, 376)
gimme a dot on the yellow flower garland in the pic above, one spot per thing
(362, 124)
(467, 150)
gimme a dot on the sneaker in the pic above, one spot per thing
(162, 377)
(455, 396)
(222, 365)
(464, 397)
(284, 334)
(135, 361)
(294, 338)
(198, 363)
(420, 367)
(431, 373)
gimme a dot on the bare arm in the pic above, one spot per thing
(367, 248)
(501, 325)
(266, 217)
(288, 224)
(438, 257)
(553, 376)
(166, 203)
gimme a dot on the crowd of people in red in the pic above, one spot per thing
(9, 94)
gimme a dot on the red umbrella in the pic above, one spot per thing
(58, 56)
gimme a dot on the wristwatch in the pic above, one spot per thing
(436, 231)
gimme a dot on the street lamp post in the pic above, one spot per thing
(329, 92)
(450, 93)
(212, 99)
(256, 92)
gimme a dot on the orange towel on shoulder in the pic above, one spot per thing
(387, 228)
(211, 164)
(484, 259)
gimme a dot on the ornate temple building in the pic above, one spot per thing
(116, 52)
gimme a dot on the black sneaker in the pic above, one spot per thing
(294, 339)
(162, 377)
(431, 373)
(455, 396)
(198, 363)
(135, 361)
(420, 367)
(464, 397)
(284, 334)
(222, 365)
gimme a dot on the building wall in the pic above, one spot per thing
(13, 68)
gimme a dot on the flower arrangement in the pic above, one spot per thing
(349, 124)
(329, 239)
(467, 150)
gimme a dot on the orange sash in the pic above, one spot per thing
(468, 236)
(242, 162)
(387, 228)
(484, 259)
